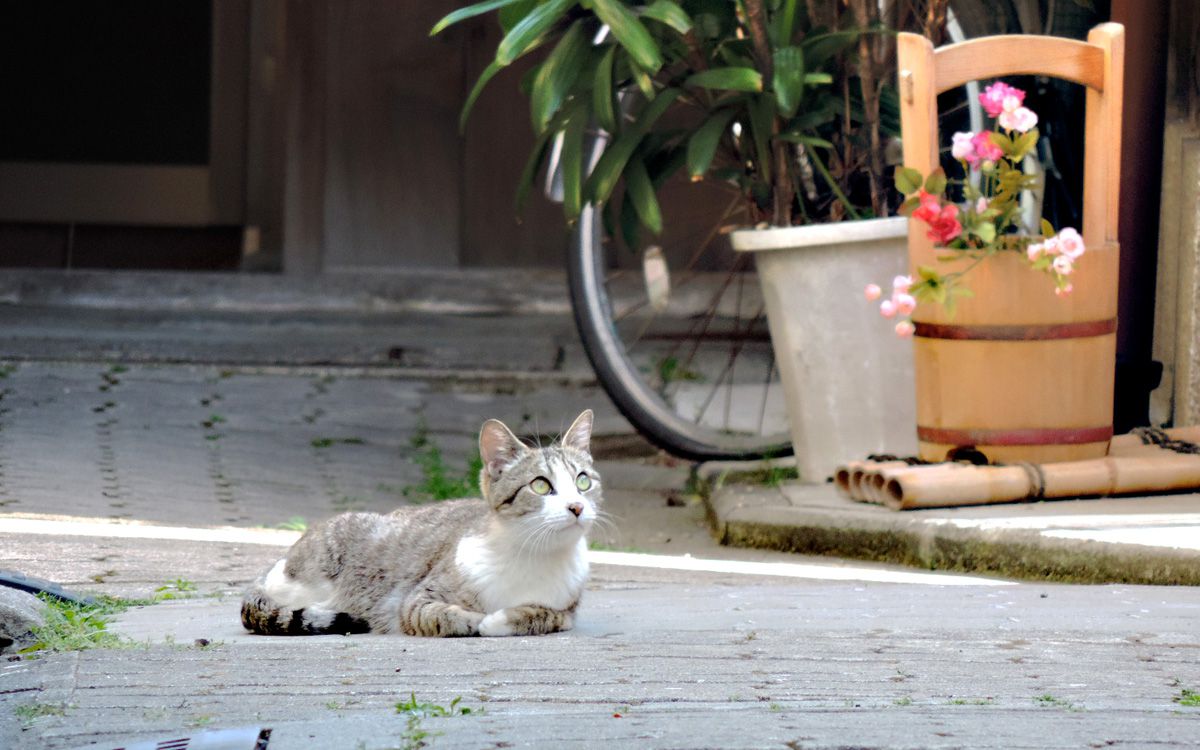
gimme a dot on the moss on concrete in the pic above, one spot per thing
(1041, 560)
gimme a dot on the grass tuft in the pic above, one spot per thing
(31, 712)
(79, 626)
(1188, 697)
(415, 736)
(438, 481)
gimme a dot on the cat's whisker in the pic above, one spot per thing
(605, 525)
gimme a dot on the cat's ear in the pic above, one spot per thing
(579, 435)
(498, 447)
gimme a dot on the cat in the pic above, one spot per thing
(511, 563)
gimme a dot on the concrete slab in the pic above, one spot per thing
(1133, 540)
(662, 665)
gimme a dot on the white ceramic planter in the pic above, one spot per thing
(847, 377)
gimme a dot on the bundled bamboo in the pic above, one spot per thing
(849, 478)
(1132, 466)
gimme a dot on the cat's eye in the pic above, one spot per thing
(583, 482)
(541, 486)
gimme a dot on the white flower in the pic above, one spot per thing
(1070, 243)
(1021, 119)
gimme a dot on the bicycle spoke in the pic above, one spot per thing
(762, 410)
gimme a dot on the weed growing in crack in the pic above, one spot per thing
(79, 626)
(31, 712)
(327, 442)
(1188, 697)
(180, 588)
(438, 482)
(1050, 701)
(75, 626)
(415, 736)
(295, 523)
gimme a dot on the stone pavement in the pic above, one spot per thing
(163, 447)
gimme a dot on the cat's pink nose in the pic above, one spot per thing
(575, 508)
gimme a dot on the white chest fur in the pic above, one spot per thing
(504, 577)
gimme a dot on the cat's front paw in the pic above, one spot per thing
(495, 624)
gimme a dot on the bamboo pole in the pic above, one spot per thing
(1133, 466)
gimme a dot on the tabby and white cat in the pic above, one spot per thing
(512, 563)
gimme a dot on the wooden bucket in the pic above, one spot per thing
(1019, 373)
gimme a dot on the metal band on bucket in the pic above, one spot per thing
(1031, 436)
(1083, 329)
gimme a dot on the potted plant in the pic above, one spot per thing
(788, 104)
(1013, 324)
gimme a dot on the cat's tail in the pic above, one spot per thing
(264, 616)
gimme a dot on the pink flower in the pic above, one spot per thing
(1070, 243)
(963, 148)
(900, 285)
(905, 303)
(887, 308)
(984, 147)
(930, 206)
(945, 226)
(942, 220)
(1063, 291)
(1020, 119)
(1035, 251)
(1063, 265)
(981, 205)
(872, 292)
(905, 328)
(993, 97)
(1050, 246)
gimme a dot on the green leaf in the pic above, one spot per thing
(612, 163)
(1042, 263)
(807, 140)
(788, 80)
(630, 32)
(819, 48)
(1047, 229)
(556, 75)
(702, 146)
(815, 117)
(602, 93)
(518, 41)
(730, 79)
(630, 226)
(470, 11)
(762, 117)
(985, 231)
(813, 79)
(935, 183)
(785, 24)
(1003, 141)
(571, 159)
(929, 273)
(488, 73)
(529, 172)
(641, 191)
(1023, 144)
(665, 11)
(511, 15)
(908, 180)
(643, 80)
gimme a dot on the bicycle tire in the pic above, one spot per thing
(621, 379)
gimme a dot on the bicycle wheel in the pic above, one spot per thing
(696, 375)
